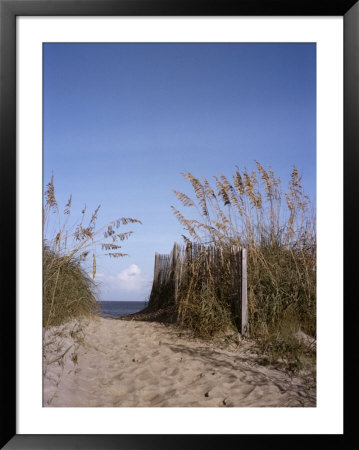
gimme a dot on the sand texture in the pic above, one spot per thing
(114, 363)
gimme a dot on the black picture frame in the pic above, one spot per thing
(9, 10)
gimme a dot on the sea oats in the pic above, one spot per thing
(279, 232)
(68, 289)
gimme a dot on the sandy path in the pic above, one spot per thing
(123, 363)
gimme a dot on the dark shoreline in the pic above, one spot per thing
(149, 314)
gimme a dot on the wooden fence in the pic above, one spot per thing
(226, 269)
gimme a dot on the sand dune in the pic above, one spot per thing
(114, 363)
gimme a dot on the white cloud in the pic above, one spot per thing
(127, 284)
(130, 279)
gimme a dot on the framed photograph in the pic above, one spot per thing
(122, 103)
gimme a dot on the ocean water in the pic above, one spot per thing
(116, 309)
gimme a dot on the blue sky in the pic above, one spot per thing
(122, 121)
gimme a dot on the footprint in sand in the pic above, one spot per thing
(165, 375)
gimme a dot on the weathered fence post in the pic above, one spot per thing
(175, 269)
(189, 253)
(156, 282)
(244, 293)
(234, 276)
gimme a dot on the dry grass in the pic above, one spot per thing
(278, 229)
(205, 301)
(60, 345)
(68, 289)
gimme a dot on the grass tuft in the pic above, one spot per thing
(69, 291)
(278, 229)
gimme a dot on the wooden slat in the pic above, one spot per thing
(176, 269)
(173, 271)
(244, 292)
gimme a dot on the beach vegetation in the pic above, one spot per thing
(70, 258)
(278, 228)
